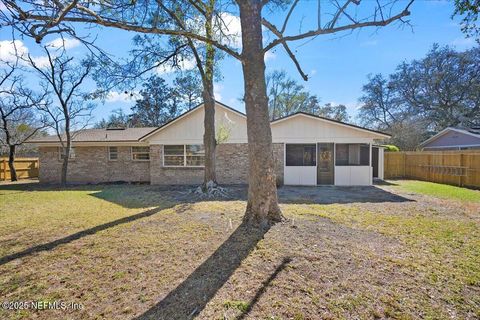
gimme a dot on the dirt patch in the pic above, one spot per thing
(343, 253)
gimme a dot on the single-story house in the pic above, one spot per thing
(453, 139)
(308, 150)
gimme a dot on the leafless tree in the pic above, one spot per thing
(39, 19)
(19, 121)
(63, 77)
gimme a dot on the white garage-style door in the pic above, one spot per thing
(300, 164)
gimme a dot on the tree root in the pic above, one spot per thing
(210, 190)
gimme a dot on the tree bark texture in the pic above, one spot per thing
(11, 162)
(262, 205)
(66, 156)
(209, 141)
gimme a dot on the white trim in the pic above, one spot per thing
(109, 153)
(140, 160)
(329, 121)
(370, 162)
(453, 147)
(94, 144)
(444, 131)
(184, 156)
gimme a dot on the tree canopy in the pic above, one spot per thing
(424, 96)
(287, 96)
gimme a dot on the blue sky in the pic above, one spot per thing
(337, 66)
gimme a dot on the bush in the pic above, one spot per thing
(391, 148)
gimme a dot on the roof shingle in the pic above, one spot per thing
(100, 135)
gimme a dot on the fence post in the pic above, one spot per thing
(462, 170)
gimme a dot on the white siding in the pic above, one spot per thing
(190, 129)
(381, 161)
(353, 175)
(300, 176)
(305, 129)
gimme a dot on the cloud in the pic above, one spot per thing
(67, 43)
(269, 55)
(313, 72)
(463, 42)
(41, 61)
(11, 50)
(217, 88)
(231, 29)
(187, 64)
(115, 96)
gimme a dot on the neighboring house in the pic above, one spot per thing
(453, 139)
(308, 150)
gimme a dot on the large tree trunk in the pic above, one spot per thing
(209, 141)
(11, 163)
(66, 158)
(262, 206)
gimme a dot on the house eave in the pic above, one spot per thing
(347, 125)
(90, 143)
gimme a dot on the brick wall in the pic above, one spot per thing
(231, 162)
(91, 165)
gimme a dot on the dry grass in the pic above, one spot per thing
(140, 251)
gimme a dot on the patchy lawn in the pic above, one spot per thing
(440, 190)
(149, 252)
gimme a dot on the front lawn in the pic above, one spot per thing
(137, 251)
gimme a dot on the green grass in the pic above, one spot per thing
(338, 265)
(443, 191)
(445, 250)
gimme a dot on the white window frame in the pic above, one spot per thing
(184, 157)
(72, 153)
(110, 153)
(359, 154)
(132, 153)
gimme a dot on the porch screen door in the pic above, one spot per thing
(325, 164)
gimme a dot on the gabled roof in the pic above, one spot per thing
(140, 134)
(197, 107)
(305, 114)
(470, 132)
(100, 135)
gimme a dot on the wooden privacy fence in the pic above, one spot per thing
(460, 168)
(26, 168)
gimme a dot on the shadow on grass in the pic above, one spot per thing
(192, 295)
(264, 287)
(337, 195)
(379, 182)
(52, 245)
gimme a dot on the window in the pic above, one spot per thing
(112, 153)
(352, 154)
(62, 152)
(195, 155)
(301, 155)
(140, 153)
(174, 155)
(190, 155)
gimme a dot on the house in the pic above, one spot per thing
(453, 139)
(308, 150)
